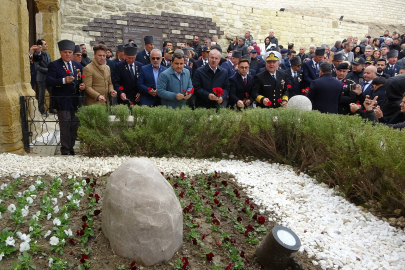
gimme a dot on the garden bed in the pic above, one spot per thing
(219, 220)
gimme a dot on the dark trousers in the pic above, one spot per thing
(41, 96)
(68, 124)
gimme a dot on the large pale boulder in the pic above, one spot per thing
(300, 102)
(142, 217)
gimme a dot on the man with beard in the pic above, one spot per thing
(242, 47)
(197, 47)
(381, 65)
(85, 59)
(357, 70)
(348, 96)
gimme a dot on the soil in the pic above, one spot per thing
(103, 257)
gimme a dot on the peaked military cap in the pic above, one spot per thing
(272, 56)
(359, 61)
(205, 49)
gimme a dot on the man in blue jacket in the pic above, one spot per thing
(126, 76)
(63, 75)
(207, 78)
(174, 85)
(310, 68)
(325, 93)
(147, 80)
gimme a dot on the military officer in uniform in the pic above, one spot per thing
(126, 76)
(144, 56)
(337, 59)
(392, 68)
(357, 70)
(294, 74)
(270, 87)
(348, 96)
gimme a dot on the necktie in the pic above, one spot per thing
(132, 71)
(70, 67)
(295, 74)
(245, 81)
(316, 68)
(203, 63)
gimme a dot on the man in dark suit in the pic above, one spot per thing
(241, 86)
(207, 78)
(126, 76)
(120, 57)
(144, 56)
(63, 75)
(85, 59)
(357, 70)
(197, 47)
(348, 96)
(147, 80)
(167, 57)
(325, 93)
(392, 68)
(381, 65)
(42, 71)
(310, 68)
(185, 52)
(294, 75)
(257, 61)
(33, 55)
(204, 59)
(337, 59)
(270, 87)
(231, 66)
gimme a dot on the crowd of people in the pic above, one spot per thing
(347, 78)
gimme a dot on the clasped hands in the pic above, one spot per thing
(215, 98)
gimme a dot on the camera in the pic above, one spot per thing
(352, 87)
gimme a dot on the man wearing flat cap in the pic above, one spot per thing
(126, 76)
(357, 70)
(231, 66)
(256, 61)
(64, 77)
(144, 56)
(270, 88)
(336, 60)
(392, 68)
(294, 75)
(348, 96)
(311, 68)
(325, 93)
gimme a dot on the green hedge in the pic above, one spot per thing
(365, 160)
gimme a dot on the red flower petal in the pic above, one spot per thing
(254, 217)
(67, 72)
(194, 241)
(269, 103)
(150, 89)
(242, 254)
(97, 212)
(203, 237)
(247, 201)
(85, 257)
(181, 194)
(82, 76)
(239, 219)
(121, 88)
(279, 100)
(229, 267)
(261, 220)
(216, 193)
(209, 256)
(185, 262)
(288, 86)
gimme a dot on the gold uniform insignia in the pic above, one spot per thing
(272, 57)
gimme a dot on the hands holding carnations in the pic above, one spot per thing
(186, 94)
(152, 91)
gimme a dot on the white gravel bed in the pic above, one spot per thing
(334, 232)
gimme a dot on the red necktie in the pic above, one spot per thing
(244, 80)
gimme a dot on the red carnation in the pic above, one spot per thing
(150, 89)
(184, 90)
(82, 76)
(279, 100)
(269, 103)
(192, 91)
(288, 86)
(185, 262)
(209, 256)
(121, 88)
(218, 91)
(261, 220)
(132, 103)
(67, 72)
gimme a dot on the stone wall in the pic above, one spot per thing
(232, 19)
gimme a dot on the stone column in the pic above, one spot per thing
(49, 11)
(14, 72)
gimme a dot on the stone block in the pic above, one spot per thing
(122, 22)
(142, 217)
(176, 31)
(96, 34)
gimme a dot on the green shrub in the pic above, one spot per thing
(365, 160)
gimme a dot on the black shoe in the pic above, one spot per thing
(72, 152)
(65, 154)
(51, 111)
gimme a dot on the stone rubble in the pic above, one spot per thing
(334, 233)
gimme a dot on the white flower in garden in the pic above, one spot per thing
(66, 216)
(32, 188)
(24, 211)
(60, 194)
(18, 234)
(84, 182)
(59, 180)
(15, 176)
(69, 197)
(56, 209)
(1, 200)
(54, 241)
(69, 232)
(76, 202)
(11, 208)
(31, 229)
(25, 191)
(38, 182)
(48, 233)
(50, 262)
(35, 217)
(19, 194)
(0, 215)
(10, 241)
(63, 241)
(29, 200)
(3, 186)
(34, 196)
(81, 193)
(24, 246)
(49, 216)
(24, 237)
(54, 201)
(56, 222)
(1, 256)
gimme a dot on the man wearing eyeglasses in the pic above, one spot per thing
(147, 80)
(77, 54)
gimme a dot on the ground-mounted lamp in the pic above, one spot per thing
(282, 9)
(277, 250)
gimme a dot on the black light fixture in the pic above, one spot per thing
(341, 18)
(282, 9)
(277, 250)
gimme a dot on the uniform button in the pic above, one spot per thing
(274, 95)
